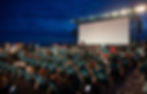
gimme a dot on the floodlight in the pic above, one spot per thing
(125, 12)
(140, 9)
(115, 13)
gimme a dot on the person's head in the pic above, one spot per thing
(42, 72)
(30, 70)
(1, 49)
(4, 80)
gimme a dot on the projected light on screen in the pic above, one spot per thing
(107, 32)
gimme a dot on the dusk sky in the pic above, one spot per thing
(55, 15)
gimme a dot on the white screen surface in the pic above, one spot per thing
(106, 32)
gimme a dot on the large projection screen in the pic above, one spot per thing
(105, 32)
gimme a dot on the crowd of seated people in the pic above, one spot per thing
(76, 69)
